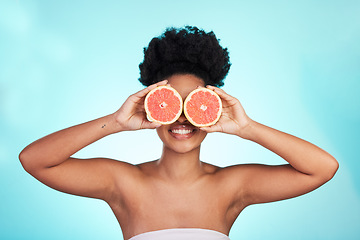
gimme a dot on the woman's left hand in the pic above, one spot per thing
(233, 119)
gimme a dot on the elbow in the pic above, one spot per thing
(25, 161)
(336, 167)
(331, 169)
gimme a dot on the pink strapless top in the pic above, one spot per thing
(182, 234)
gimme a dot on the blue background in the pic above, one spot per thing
(295, 67)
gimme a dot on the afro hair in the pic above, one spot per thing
(187, 50)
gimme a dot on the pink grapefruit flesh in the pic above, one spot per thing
(163, 105)
(202, 107)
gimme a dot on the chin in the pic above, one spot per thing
(181, 138)
(182, 148)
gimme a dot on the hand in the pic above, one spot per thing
(233, 119)
(132, 115)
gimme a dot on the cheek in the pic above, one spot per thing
(201, 135)
(161, 131)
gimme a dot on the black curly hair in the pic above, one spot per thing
(185, 50)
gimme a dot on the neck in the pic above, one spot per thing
(180, 166)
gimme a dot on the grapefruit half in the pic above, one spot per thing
(202, 107)
(163, 104)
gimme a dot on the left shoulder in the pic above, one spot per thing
(227, 171)
(230, 175)
(210, 168)
(233, 170)
(230, 182)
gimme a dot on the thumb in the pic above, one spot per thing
(150, 125)
(210, 129)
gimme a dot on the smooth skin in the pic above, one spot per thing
(178, 190)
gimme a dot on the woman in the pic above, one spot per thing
(178, 196)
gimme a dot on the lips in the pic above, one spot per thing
(182, 131)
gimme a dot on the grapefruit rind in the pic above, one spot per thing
(191, 120)
(148, 112)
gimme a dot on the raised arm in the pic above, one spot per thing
(309, 166)
(49, 158)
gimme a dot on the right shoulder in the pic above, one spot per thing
(131, 169)
(127, 177)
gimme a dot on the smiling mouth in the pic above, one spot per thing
(182, 131)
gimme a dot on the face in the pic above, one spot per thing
(182, 136)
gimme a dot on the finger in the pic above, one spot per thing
(154, 125)
(210, 129)
(147, 124)
(141, 108)
(161, 83)
(222, 94)
(150, 125)
(142, 93)
(151, 87)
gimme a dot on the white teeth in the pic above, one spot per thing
(181, 131)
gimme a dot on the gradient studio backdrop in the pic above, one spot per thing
(295, 67)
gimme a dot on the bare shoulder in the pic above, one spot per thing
(133, 173)
(231, 182)
(147, 164)
(229, 171)
(228, 175)
(240, 174)
(127, 178)
(125, 171)
(210, 168)
(112, 166)
(241, 170)
(118, 164)
(236, 176)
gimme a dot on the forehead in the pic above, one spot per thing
(185, 83)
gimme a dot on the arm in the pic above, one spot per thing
(49, 158)
(309, 166)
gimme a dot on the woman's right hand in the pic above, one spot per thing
(132, 115)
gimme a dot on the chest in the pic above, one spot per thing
(181, 202)
(206, 203)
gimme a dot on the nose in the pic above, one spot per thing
(182, 118)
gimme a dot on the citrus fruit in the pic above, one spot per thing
(202, 107)
(163, 104)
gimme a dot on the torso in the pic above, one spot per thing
(147, 202)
